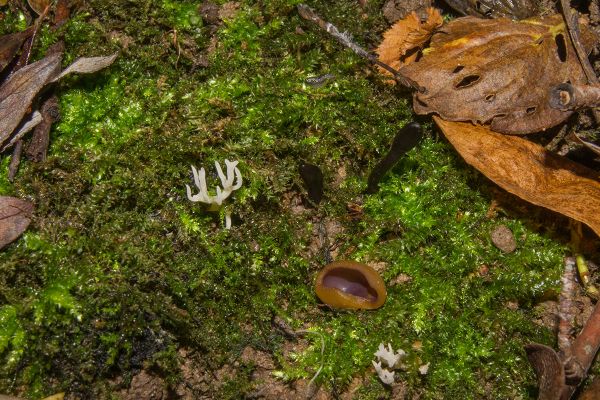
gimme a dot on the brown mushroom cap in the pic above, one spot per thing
(351, 285)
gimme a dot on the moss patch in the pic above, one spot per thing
(119, 269)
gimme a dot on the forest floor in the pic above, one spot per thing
(124, 289)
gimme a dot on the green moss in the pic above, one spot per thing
(119, 260)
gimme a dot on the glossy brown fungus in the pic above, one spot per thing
(351, 285)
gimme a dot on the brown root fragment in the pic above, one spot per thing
(15, 160)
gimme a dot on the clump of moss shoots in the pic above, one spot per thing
(119, 271)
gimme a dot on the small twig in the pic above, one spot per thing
(289, 332)
(310, 388)
(346, 39)
(15, 160)
(566, 314)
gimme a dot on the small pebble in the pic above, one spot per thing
(503, 238)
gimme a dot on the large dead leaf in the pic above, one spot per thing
(18, 92)
(497, 72)
(406, 35)
(529, 171)
(15, 217)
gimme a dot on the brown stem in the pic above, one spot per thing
(344, 38)
(587, 344)
(574, 97)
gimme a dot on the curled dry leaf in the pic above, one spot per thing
(15, 216)
(529, 171)
(405, 36)
(26, 125)
(592, 146)
(497, 72)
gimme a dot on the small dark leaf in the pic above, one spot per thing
(36, 150)
(406, 139)
(313, 180)
(548, 369)
(15, 217)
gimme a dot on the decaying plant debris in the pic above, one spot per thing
(19, 112)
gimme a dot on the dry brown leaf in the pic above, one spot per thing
(87, 65)
(405, 36)
(15, 217)
(18, 92)
(497, 71)
(529, 171)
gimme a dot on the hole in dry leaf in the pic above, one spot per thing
(490, 97)
(561, 47)
(458, 69)
(539, 41)
(467, 81)
(530, 110)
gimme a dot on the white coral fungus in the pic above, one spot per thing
(389, 357)
(227, 181)
(386, 376)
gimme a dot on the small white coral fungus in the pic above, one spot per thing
(389, 357)
(386, 376)
(230, 182)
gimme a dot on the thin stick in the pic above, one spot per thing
(310, 387)
(566, 312)
(346, 39)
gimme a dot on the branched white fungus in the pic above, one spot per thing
(230, 181)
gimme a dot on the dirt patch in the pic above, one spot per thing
(145, 386)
